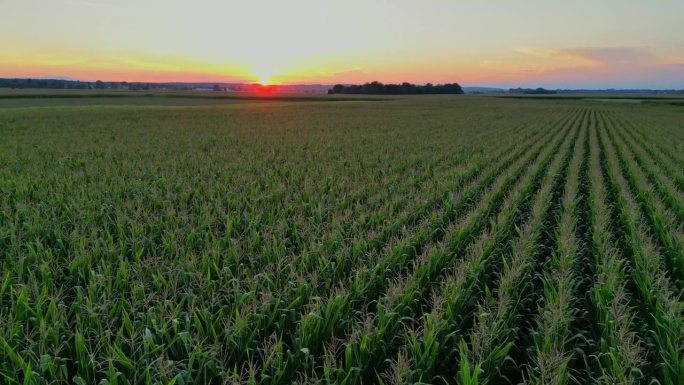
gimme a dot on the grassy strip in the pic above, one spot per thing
(246, 97)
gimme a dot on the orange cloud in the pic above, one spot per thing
(612, 56)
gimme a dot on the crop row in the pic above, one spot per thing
(273, 244)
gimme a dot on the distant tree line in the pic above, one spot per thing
(377, 88)
(44, 83)
(532, 91)
(72, 84)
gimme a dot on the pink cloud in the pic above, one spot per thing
(610, 56)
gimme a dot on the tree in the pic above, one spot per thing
(377, 88)
(99, 85)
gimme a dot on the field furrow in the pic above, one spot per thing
(672, 195)
(272, 313)
(662, 326)
(484, 350)
(620, 350)
(338, 269)
(333, 320)
(663, 228)
(552, 335)
(657, 142)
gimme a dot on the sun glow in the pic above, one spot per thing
(263, 76)
(303, 42)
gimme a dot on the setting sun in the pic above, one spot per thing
(263, 76)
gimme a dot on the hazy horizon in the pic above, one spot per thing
(533, 43)
(246, 82)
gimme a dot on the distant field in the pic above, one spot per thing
(63, 98)
(660, 98)
(428, 239)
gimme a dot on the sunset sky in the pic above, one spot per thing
(573, 44)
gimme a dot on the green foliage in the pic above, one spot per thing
(430, 240)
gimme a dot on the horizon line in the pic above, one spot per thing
(294, 84)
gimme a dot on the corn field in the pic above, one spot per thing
(427, 240)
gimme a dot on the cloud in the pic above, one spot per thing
(611, 56)
(538, 52)
(627, 66)
(592, 56)
(612, 76)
